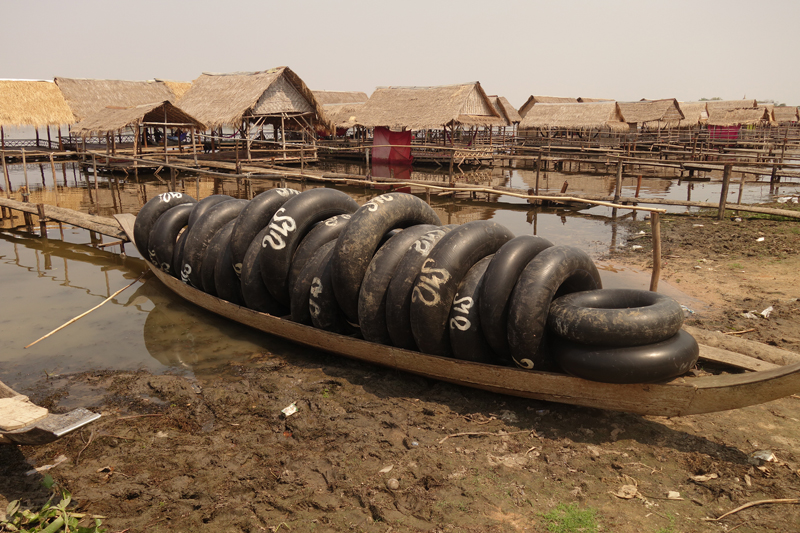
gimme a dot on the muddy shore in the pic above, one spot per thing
(374, 450)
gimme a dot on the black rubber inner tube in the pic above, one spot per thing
(648, 363)
(200, 235)
(253, 218)
(205, 204)
(440, 276)
(215, 248)
(498, 283)
(322, 305)
(553, 272)
(177, 255)
(398, 294)
(615, 317)
(288, 227)
(255, 293)
(325, 231)
(148, 216)
(164, 235)
(301, 289)
(226, 280)
(466, 335)
(372, 296)
(362, 236)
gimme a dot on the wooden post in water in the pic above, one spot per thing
(55, 180)
(25, 172)
(5, 174)
(36, 128)
(96, 193)
(723, 195)
(618, 184)
(638, 185)
(194, 145)
(48, 137)
(42, 220)
(655, 229)
(60, 141)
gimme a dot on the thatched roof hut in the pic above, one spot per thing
(694, 114)
(178, 88)
(265, 97)
(665, 112)
(533, 100)
(740, 117)
(32, 103)
(724, 105)
(506, 110)
(421, 108)
(585, 100)
(87, 97)
(785, 114)
(340, 107)
(575, 116)
(340, 97)
(117, 118)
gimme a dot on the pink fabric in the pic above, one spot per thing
(724, 133)
(398, 153)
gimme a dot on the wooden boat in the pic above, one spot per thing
(681, 396)
(23, 422)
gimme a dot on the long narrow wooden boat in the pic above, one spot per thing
(681, 396)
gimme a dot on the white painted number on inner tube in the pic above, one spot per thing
(427, 289)
(373, 204)
(335, 220)
(316, 289)
(278, 232)
(461, 305)
(424, 244)
(167, 196)
(185, 273)
(285, 192)
(237, 268)
(152, 255)
(165, 267)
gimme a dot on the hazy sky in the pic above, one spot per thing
(624, 50)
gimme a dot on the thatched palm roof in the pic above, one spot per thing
(343, 115)
(420, 108)
(340, 97)
(784, 114)
(506, 110)
(664, 111)
(725, 105)
(86, 97)
(32, 103)
(117, 118)
(739, 117)
(178, 88)
(533, 100)
(227, 99)
(694, 114)
(595, 115)
(584, 100)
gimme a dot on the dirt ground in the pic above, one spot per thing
(377, 451)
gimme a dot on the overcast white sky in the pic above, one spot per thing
(618, 49)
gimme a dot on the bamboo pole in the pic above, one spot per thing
(59, 328)
(655, 225)
(618, 183)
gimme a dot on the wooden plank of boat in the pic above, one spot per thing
(22, 422)
(682, 396)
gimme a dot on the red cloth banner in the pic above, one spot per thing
(398, 153)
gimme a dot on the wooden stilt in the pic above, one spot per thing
(55, 180)
(655, 230)
(723, 195)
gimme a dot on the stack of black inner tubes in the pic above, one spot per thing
(389, 272)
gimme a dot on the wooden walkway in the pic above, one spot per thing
(102, 225)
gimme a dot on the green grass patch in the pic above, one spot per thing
(571, 519)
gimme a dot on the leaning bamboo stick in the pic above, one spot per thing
(87, 312)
